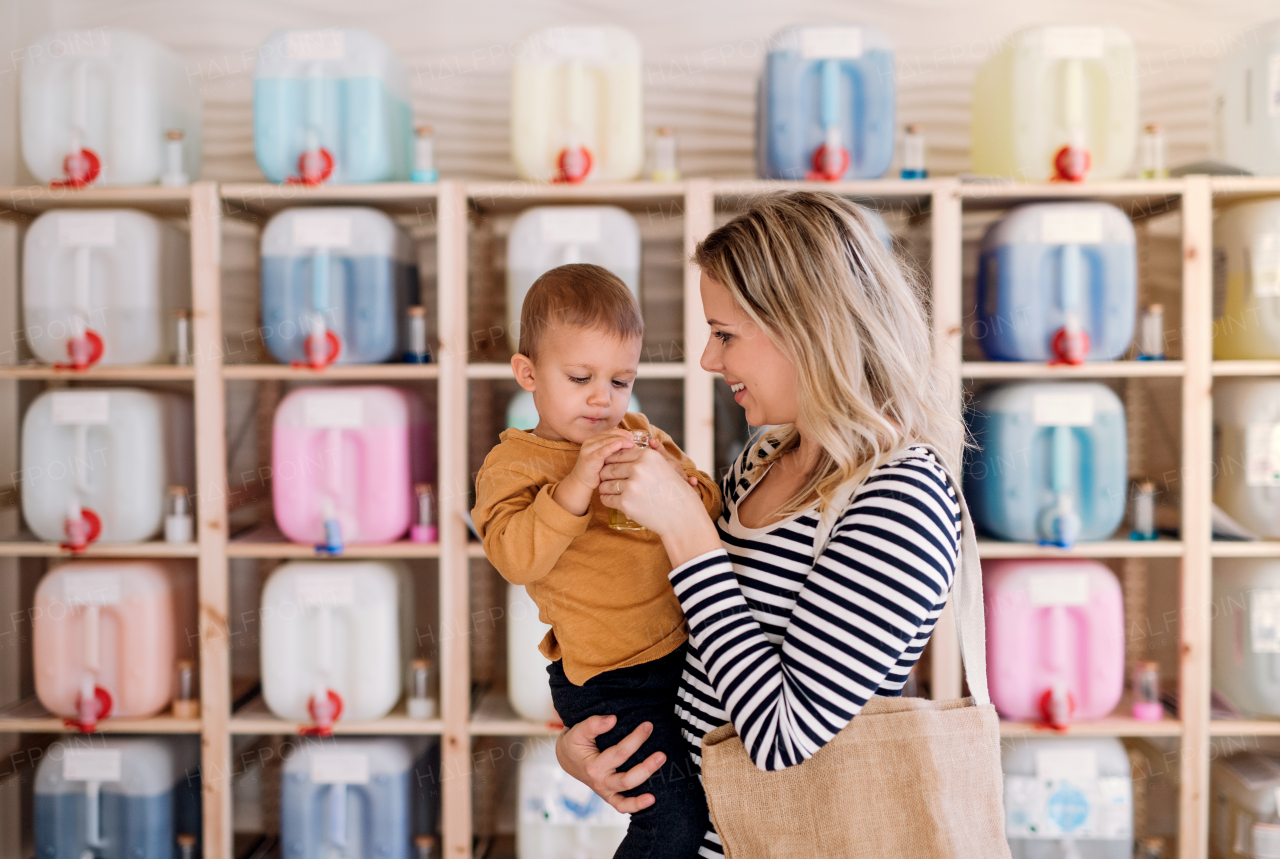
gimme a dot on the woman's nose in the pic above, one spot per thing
(711, 358)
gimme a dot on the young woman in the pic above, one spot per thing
(823, 337)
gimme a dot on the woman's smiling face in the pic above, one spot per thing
(762, 377)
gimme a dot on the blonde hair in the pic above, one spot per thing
(808, 268)
(582, 295)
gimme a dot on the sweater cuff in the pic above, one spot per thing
(556, 517)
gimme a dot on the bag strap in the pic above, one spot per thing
(966, 590)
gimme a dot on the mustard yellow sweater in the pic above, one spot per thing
(604, 592)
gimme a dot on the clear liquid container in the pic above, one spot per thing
(1151, 334)
(913, 154)
(424, 155)
(422, 702)
(1144, 511)
(181, 338)
(417, 353)
(1146, 691)
(187, 846)
(178, 524)
(664, 156)
(618, 520)
(186, 696)
(424, 847)
(174, 175)
(1153, 161)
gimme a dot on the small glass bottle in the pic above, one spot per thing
(664, 156)
(425, 529)
(1144, 511)
(186, 699)
(424, 155)
(1153, 163)
(424, 847)
(178, 525)
(1150, 848)
(422, 704)
(417, 352)
(174, 175)
(913, 154)
(1146, 691)
(618, 520)
(186, 846)
(181, 338)
(1151, 333)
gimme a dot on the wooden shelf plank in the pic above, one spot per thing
(1161, 548)
(29, 547)
(1139, 197)
(869, 189)
(1112, 726)
(519, 194)
(1244, 728)
(1246, 548)
(1228, 189)
(30, 717)
(498, 370)
(494, 717)
(135, 373)
(266, 541)
(34, 199)
(1246, 368)
(336, 372)
(1092, 370)
(255, 718)
(262, 199)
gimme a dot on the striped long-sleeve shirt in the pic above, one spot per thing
(789, 647)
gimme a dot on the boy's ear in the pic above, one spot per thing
(522, 369)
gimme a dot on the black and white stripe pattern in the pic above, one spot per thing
(790, 649)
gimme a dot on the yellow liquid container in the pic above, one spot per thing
(618, 520)
(1057, 103)
(1246, 281)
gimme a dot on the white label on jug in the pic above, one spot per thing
(1265, 264)
(583, 43)
(340, 768)
(333, 411)
(91, 765)
(1262, 454)
(1039, 808)
(1071, 227)
(86, 230)
(1062, 410)
(1073, 43)
(315, 45)
(1264, 621)
(570, 227)
(91, 589)
(81, 43)
(831, 43)
(326, 589)
(322, 231)
(1047, 589)
(81, 407)
(1273, 85)
(1077, 764)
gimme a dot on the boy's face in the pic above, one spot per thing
(581, 382)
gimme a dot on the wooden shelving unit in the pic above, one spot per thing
(936, 209)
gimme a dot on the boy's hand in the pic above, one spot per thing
(575, 491)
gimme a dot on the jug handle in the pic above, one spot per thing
(337, 815)
(1070, 343)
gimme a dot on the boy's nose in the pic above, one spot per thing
(599, 397)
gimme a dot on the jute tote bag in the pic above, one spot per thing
(908, 778)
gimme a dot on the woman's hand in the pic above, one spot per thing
(643, 484)
(581, 758)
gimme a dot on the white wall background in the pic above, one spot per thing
(701, 61)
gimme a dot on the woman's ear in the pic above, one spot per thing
(522, 369)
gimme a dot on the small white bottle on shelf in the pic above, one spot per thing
(181, 338)
(424, 155)
(1151, 333)
(913, 166)
(422, 704)
(178, 525)
(174, 176)
(1153, 161)
(664, 156)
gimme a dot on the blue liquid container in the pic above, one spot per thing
(366, 798)
(337, 90)
(143, 794)
(1051, 464)
(1044, 261)
(826, 87)
(352, 269)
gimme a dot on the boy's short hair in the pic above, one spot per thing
(580, 294)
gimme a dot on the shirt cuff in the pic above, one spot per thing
(556, 517)
(714, 554)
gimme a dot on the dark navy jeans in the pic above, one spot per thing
(674, 825)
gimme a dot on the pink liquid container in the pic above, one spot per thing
(1055, 639)
(107, 636)
(345, 460)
